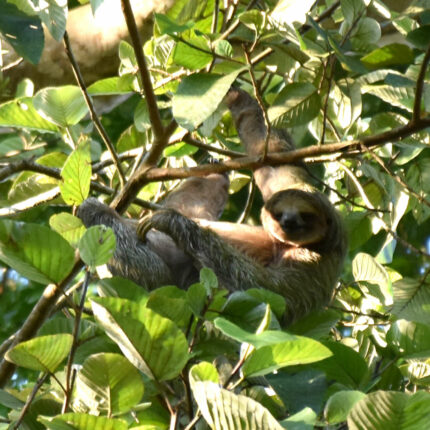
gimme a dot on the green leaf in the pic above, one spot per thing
(352, 10)
(208, 279)
(152, 343)
(409, 339)
(168, 26)
(345, 366)
(97, 245)
(35, 251)
(389, 55)
(76, 421)
(193, 57)
(111, 381)
(179, 150)
(411, 300)
(141, 116)
(402, 97)
(21, 113)
(76, 175)
(366, 268)
(196, 298)
(268, 358)
(269, 337)
(54, 17)
(389, 410)
(69, 226)
(296, 104)
(339, 405)
(198, 96)
(23, 32)
(223, 409)
(170, 302)
(44, 353)
(420, 36)
(306, 419)
(64, 106)
(203, 371)
(9, 401)
(106, 87)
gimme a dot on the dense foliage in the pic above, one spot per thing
(350, 81)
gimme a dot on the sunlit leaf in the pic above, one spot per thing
(64, 106)
(76, 175)
(35, 251)
(44, 353)
(111, 381)
(152, 343)
(391, 410)
(223, 409)
(188, 107)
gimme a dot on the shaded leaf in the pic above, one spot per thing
(23, 32)
(97, 245)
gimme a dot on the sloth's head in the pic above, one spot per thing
(297, 217)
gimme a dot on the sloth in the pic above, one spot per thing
(297, 252)
(158, 261)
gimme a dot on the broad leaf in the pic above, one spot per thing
(21, 113)
(223, 409)
(35, 251)
(97, 245)
(76, 175)
(188, 106)
(298, 103)
(64, 106)
(392, 411)
(111, 381)
(23, 32)
(339, 405)
(75, 421)
(44, 353)
(69, 226)
(152, 343)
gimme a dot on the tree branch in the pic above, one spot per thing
(420, 87)
(154, 114)
(36, 318)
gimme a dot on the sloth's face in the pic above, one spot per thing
(295, 217)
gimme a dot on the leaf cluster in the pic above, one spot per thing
(350, 82)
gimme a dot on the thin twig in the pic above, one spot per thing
(397, 178)
(78, 315)
(29, 400)
(94, 117)
(197, 143)
(251, 193)
(260, 103)
(420, 87)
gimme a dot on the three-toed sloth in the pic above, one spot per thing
(298, 251)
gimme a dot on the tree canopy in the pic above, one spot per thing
(350, 81)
